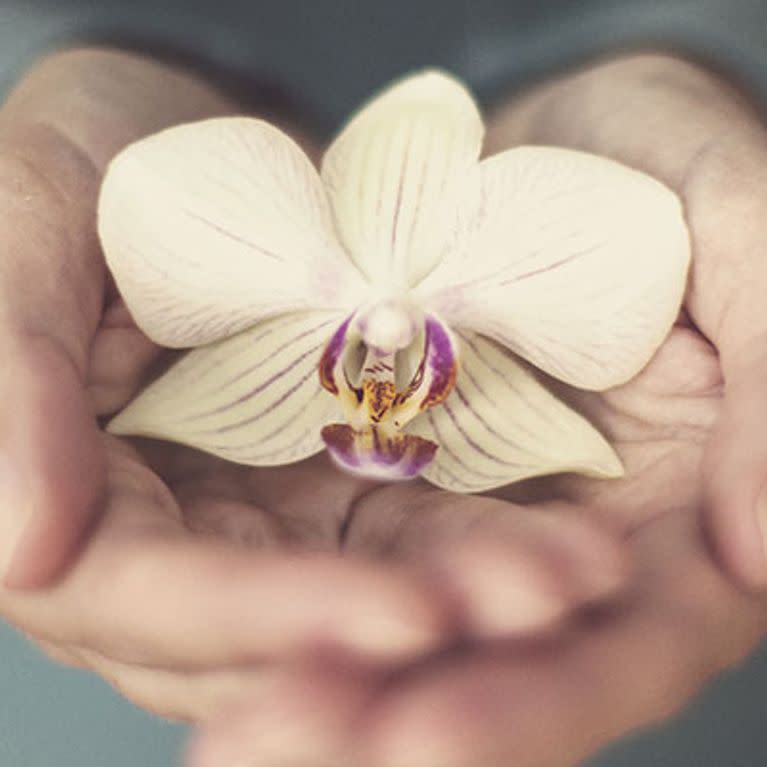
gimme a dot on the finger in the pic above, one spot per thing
(122, 360)
(713, 151)
(147, 591)
(191, 697)
(556, 703)
(512, 569)
(298, 716)
(736, 471)
(57, 131)
(733, 182)
(51, 466)
(525, 703)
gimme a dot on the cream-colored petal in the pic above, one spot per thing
(575, 262)
(500, 425)
(254, 398)
(393, 171)
(212, 226)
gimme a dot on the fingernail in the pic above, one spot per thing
(13, 515)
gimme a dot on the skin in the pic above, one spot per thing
(182, 579)
(208, 591)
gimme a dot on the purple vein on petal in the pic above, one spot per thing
(263, 386)
(440, 470)
(291, 449)
(477, 353)
(271, 406)
(289, 420)
(216, 359)
(394, 234)
(284, 182)
(271, 329)
(418, 200)
(277, 431)
(490, 429)
(467, 437)
(232, 236)
(548, 342)
(284, 453)
(444, 446)
(286, 345)
(551, 267)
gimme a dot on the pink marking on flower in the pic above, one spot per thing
(442, 362)
(373, 454)
(331, 356)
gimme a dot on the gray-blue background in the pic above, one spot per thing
(55, 717)
(331, 53)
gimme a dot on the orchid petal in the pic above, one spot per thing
(435, 376)
(500, 425)
(391, 170)
(212, 226)
(574, 262)
(254, 398)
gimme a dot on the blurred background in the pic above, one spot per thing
(54, 717)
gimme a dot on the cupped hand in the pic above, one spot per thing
(178, 577)
(690, 431)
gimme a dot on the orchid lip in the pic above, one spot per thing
(372, 454)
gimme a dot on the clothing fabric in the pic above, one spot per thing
(330, 54)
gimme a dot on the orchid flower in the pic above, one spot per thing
(392, 306)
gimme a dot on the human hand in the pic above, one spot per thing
(109, 568)
(689, 430)
(179, 577)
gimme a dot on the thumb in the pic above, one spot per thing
(729, 193)
(58, 130)
(735, 470)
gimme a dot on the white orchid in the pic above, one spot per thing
(379, 308)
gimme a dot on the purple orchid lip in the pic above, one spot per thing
(372, 454)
